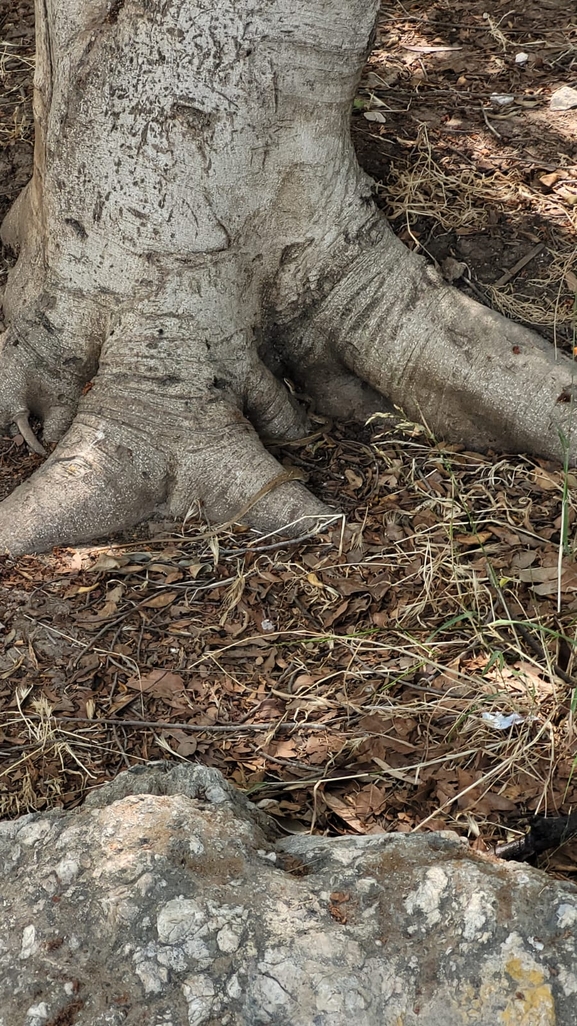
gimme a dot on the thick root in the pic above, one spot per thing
(467, 373)
(91, 485)
(182, 425)
(107, 474)
(47, 355)
(204, 232)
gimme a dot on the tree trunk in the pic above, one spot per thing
(197, 228)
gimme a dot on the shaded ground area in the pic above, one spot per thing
(417, 668)
(475, 169)
(16, 123)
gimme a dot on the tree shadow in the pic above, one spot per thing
(453, 122)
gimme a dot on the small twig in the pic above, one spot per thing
(489, 125)
(509, 275)
(215, 728)
(289, 763)
(277, 545)
(477, 291)
(123, 754)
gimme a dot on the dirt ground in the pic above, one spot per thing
(417, 669)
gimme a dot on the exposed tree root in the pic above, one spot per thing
(145, 441)
(468, 373)
(202, 232)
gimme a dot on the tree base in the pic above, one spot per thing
(198, 230)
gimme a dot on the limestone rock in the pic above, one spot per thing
(169, 900)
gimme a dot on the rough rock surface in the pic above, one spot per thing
(169, 900)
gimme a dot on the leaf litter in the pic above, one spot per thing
(408, 671)
(415, 670)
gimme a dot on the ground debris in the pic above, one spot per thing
(344, 682)
(412, 672)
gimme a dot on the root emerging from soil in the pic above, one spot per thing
(198, 229)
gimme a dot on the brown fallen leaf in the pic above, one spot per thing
(479, 538)
(186, 743)
(344, 812)
(550, 179)
(522, 560)
(354, 480)
(548, 481)
(158, 682)
(337, 913)
(165, 598)
(107, 562)
(108, 609)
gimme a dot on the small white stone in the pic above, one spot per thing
(502, 99)
(564, 98)
(566, 916)
(37, 1014)
(28, 941)
(228, 939)
(178, 919)
(199, 994)
(152, 977)
(233, 988)
(67, 869)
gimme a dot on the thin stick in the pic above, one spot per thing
(505, 278)
(489, 125)
(216, 728)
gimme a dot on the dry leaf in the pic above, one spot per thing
(108, 609)
(313, 579)
(549, 180)
(107, 562)
(547, 480)
(166, 598)
(473, 539)
(522, 560)
(354, 480)
(538, 574)
(186, 743)
(344, 812)
(160, 683)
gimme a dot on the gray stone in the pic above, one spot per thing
(169, 900)
(563, 98)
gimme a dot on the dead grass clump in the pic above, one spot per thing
(416, 670)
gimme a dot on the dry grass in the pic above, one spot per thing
(16, 68)
(465, 201)
(352, 682)
(326, 677)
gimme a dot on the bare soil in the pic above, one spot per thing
(415, 670)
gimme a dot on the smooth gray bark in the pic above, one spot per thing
(198, 228)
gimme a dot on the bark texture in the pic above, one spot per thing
(197, 228)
